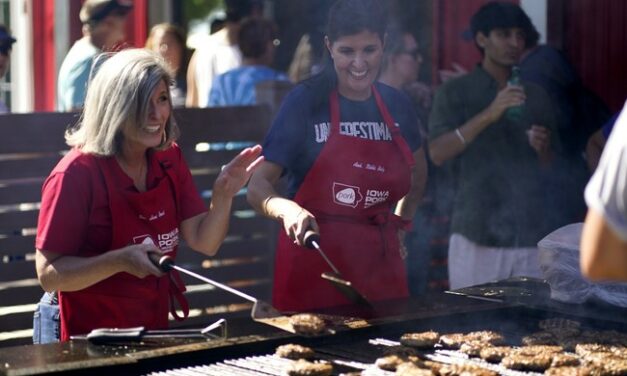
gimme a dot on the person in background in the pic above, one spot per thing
(6, 43)
(121, 190)
(604, 236)
(103, 28)
(236, 87)
(579, 113)
(400, 68)
(351, 150)
(169, 41)
(219, 53)
(500, 157)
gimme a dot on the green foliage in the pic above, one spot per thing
(193, 9)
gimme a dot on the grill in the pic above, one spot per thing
(357, 350)
(250, 346)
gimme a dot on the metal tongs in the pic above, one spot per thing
(139, 333)
(261, 310)
(312, 241)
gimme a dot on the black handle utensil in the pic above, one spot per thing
(312, 241)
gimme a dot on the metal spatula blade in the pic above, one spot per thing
(261, 311)
(346, 288)
(312, 240)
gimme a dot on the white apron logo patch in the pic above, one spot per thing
(375, 196)
(346, 195)
(165, 242)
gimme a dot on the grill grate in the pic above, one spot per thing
(358, 350)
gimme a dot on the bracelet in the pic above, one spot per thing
(264, 205)
(460, 136)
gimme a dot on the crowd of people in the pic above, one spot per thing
(370, 156)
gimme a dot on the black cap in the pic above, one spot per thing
(5, 37)
(96, 10)
(501, 15)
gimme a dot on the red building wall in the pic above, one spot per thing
(594, 37)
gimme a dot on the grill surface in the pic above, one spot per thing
(350, 349)
(357, 350)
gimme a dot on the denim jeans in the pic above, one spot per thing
(46, 322)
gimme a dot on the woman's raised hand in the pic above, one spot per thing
(235, 174)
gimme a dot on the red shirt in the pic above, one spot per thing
(75, 218)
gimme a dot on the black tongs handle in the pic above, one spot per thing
(163, 262)
(312, 241)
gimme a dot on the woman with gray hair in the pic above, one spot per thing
(124, 191)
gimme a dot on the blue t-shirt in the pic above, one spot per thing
(236, 87)
(300, 131)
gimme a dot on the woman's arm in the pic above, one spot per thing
(450, 144)
(603, 253)
(264, 198)
(58, 272)
(406, 207)
(205, 232)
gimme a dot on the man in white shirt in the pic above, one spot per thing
(219, 53)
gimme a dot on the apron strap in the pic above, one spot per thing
(175, 292)
(396, 133)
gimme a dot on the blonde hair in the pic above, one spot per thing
(118, 98)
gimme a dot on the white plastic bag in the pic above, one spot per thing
(559, 261)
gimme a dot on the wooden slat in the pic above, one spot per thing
(15, 193)
(17, 245)
(28, 168)
(20, 295)
(22, 320)
(16, 271)
(35, 132)
(222, 124)
(17, 220)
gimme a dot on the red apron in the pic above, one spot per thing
(123, 300)
(351, 190)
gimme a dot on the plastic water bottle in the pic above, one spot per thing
(515, 113)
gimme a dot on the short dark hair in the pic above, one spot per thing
(346, 17)
(349, 17)
(503, 15)
(236, 10)
(254, 36)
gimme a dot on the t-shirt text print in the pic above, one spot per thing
(370, 130)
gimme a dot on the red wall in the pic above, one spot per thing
(594, 36)
(44, 55)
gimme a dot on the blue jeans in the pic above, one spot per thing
(46, 320)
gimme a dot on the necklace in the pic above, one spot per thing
(138, 175)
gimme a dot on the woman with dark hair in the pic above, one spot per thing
(350, 148)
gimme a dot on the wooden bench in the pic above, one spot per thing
(33, 143)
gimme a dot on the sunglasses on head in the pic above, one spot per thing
(415, 53)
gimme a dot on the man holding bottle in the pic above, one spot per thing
(495, 132)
